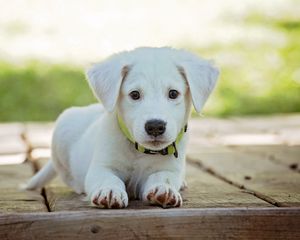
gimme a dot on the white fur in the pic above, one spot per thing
(92, 155)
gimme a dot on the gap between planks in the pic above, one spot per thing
(34, 164)
(197, 163)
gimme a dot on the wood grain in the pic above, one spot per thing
(288, 156)
(155, 224)
(278, 129)
(206, 191)
(257, 174)
(12, 198)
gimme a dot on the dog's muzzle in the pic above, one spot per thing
(154, 128)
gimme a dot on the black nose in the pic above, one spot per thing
(155, 127)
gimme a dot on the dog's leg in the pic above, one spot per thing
(162, 188)
(105, 189)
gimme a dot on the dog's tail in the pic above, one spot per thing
(39, 180)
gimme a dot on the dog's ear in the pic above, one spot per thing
(105, 80)
(201, 77)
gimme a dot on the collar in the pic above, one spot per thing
(171, 149)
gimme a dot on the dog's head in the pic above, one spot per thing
(152, 90)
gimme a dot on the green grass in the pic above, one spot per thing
(255, 79)
(39, 92)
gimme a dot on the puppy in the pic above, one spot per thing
(134, 145)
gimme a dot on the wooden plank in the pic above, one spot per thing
(274, 223)
(288, 156)
(39, 135)
(278, 129)
(194, 148)
(213, 126)
(290, 136)
(205, 132)
(257, 174)
(12, 198)
(11, 176)
(270, 123)
(285, 128)
(15, 158)
(207, 191)
(236, 131)
(62, 198)
(10, 139)
(238, 139)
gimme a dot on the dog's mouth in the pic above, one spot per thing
(155, 144)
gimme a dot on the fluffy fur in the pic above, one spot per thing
(92, 155)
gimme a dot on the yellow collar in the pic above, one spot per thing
(171, 149)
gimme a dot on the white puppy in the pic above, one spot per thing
(134, 146)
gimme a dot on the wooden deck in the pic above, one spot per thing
(243, 179)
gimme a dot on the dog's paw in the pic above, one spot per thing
(110, 198)
(163, 195)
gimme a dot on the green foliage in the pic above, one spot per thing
(259, 78)
(39, 92)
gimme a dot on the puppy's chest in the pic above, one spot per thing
(136, 173)
(134, 169)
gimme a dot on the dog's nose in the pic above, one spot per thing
(155, 127)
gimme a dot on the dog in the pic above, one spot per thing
(133, 146)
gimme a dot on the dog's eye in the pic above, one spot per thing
(135, 95)
(173, 94)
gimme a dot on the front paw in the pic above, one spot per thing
(110, 198)
(163, 195)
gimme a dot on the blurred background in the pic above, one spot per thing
(46, 45)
